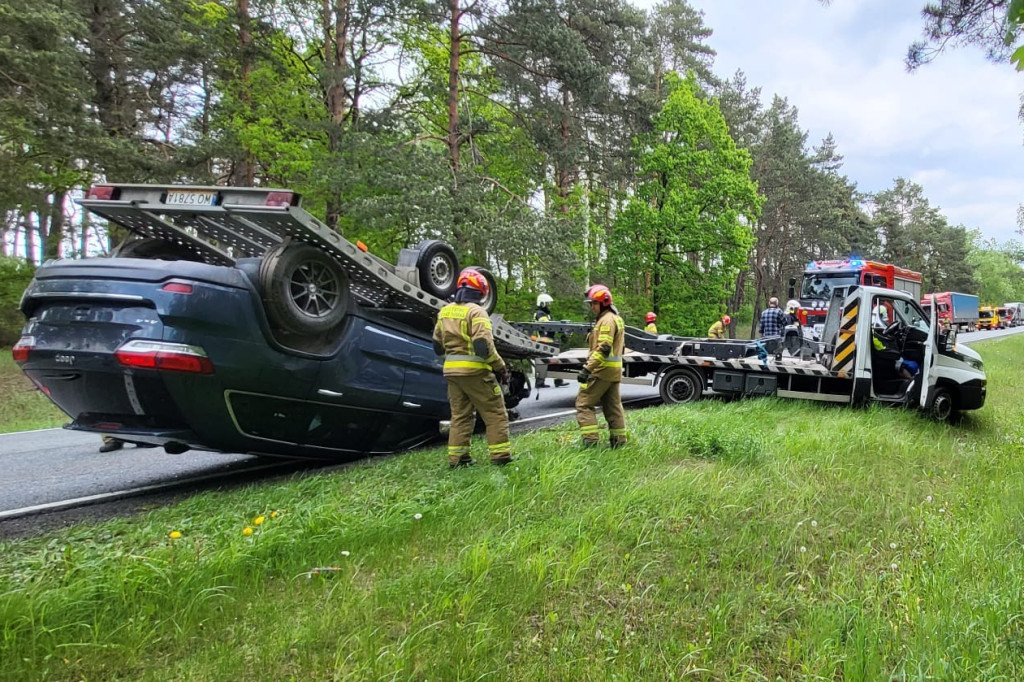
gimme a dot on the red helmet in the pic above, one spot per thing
(599, 293)
(471, 278)
(651, 317)
(726, 319)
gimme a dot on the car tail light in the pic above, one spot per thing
(171, 357)
(280, 198)
(22, 348)
(103, 192)
(177, 287)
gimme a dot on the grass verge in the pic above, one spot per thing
(23, 406)
(752, 540)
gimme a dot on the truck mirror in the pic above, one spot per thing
(950, 340)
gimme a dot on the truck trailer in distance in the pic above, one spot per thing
(956, 311)
(1014, 313)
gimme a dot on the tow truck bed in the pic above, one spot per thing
(241, 222)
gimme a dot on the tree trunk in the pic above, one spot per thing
(244, 172)
(454, 59)
(55, 233)
(30, 242)
(335, 24)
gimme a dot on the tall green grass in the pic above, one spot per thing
(751, 540)
(22, 406)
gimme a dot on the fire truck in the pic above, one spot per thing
(822, 277)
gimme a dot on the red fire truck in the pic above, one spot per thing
(822, 277)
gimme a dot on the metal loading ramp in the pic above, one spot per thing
(241, 225)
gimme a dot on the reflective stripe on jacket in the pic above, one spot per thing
(610, 332)
(458, 326)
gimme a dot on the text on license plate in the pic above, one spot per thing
(191, 198)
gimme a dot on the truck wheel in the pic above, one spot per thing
(305, 290)
(152, 248)
(438, 267)
(490, 301)
(681, 385)
(943, 405)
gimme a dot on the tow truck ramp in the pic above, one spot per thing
(223, 224)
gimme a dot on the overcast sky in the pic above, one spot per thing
(951, 126)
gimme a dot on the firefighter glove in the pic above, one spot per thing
(584, 378)
(502, 374)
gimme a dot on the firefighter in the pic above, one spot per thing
(717, 330)
(543, 314)
(472, 368)
(602, 373)
(651, 328)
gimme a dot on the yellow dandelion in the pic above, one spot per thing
(273, 514)
(258, 520)
(247, 530)
(174, 534)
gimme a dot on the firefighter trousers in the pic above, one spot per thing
(469, 396)
(606, 394)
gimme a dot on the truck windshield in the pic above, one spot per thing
(820, 286)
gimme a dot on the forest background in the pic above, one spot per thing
(558, 142)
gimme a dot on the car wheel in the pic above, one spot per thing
(304, 289)
(152, 248)
(943, 405)
(681, 385)
(438, 267)
(490, 301)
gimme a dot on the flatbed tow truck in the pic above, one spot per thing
(847, 366)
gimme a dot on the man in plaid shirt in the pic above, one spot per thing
(773, 320)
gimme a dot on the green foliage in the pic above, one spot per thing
(1000, 277)
(917, 236)
(687, 228)
(15, 276)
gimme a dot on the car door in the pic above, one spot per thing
(928, 378)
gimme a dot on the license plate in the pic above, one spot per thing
(179, 198)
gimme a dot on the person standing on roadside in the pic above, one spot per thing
(652, 327)
(717, 330)
(773, 320)
(472, 368)
(543, 314)
(601, 375)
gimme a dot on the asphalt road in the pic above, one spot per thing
(53, 465)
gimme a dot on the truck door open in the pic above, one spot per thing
(927, 375)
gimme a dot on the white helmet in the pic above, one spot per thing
(543, 300)
(793, 304)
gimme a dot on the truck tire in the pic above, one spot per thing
(438, 267)
(490, 301)
(943, 405)
(681, 385)
(152, 248)
(305, 291)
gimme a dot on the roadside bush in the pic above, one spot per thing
(15, 275)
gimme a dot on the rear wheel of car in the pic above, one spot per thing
(490, 301)
(152, 248)
(305, 291)
(438, 267)
(681, 385)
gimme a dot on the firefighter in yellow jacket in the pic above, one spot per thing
(602, 373)
(472, 368)
(652, 326)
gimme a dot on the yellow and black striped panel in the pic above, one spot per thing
(846, 349)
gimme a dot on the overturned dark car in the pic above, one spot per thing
(235, 321)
